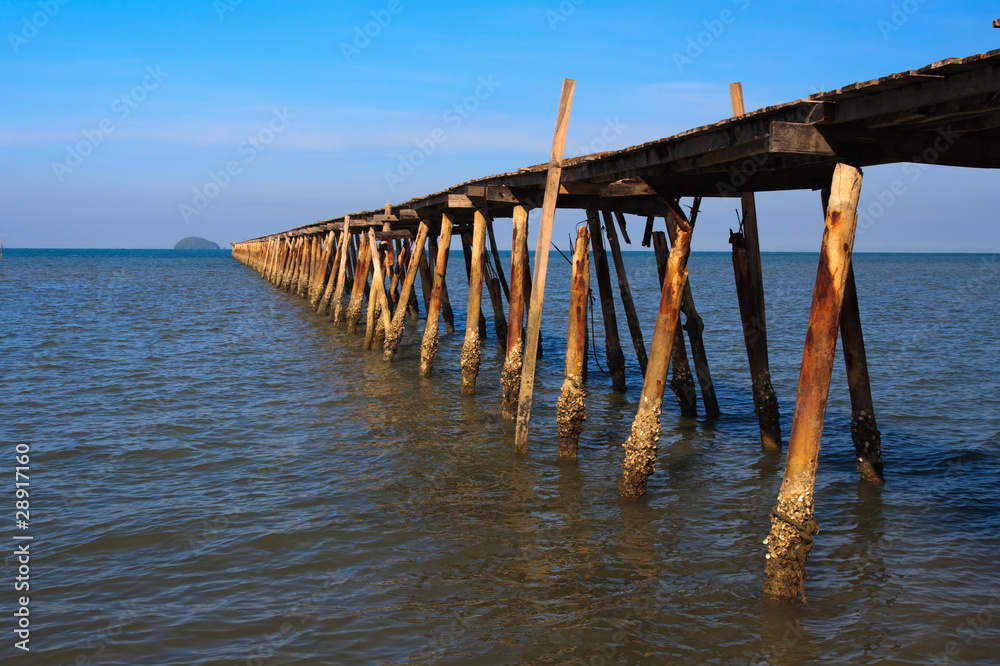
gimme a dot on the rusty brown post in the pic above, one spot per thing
(429, 344)
(682, 381)
(792, 519)
(510, 379)
(748, 292)
(571, 408)
(395, 330)
(613, 348)
(471, 352)
(640, 448)
(353, 315)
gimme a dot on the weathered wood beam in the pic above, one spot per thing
(338, 292)
(541, 266)
(792, 521)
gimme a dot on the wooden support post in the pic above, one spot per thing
(446, 312)
(338, 292)
(496, 258)
(640, 448)
(395, 331)
(755, 339)
(471, 352)
(630, 315)
(750, 291)
(695, 327)
(324, 277)
(357, 292)
(496, 299)
(571, 409)
(429, 345)
(426, 279)
(510, 378)
(378, 303)
(467, 252)
(682, 381)
(541, 266)
(613, 348)
(864, 429)
(792, 520)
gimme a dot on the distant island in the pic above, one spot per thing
(195, 243)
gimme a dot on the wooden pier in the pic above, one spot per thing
(947, 113)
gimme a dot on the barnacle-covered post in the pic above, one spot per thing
(792, 520)
(395, 330)
(571, 408)
(511, 376)
(429, 344)
(640, 448)
(471, 351)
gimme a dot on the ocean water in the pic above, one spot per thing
(219, 476)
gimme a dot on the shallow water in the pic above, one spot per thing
(219, 476)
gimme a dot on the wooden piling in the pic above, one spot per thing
(337, 300)
(510, 379)
(471, 352)
(496, 300)
(613, 348)
(640, 448)
(750, 292)
(755, 340)
(571, 406)
(634, 328)
(682, 381)
(395, 331)
(864, 429)
(324, 275)
(695, 326)
(541, 266)
(378, 302)
(429, 344)
(446, 312)
(364, 262)
(467, 253)
(792, 519)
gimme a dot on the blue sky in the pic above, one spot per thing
(134, 124)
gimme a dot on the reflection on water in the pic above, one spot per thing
(223, 477)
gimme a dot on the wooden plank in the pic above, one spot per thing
(541, 266)
(799, 139)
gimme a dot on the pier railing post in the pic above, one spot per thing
(640, 448)
(541, 266)
(429, 344)
(571, 408)
(792, 520)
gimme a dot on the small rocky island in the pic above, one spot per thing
(196, 243)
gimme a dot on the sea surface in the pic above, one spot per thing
(220, 476)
